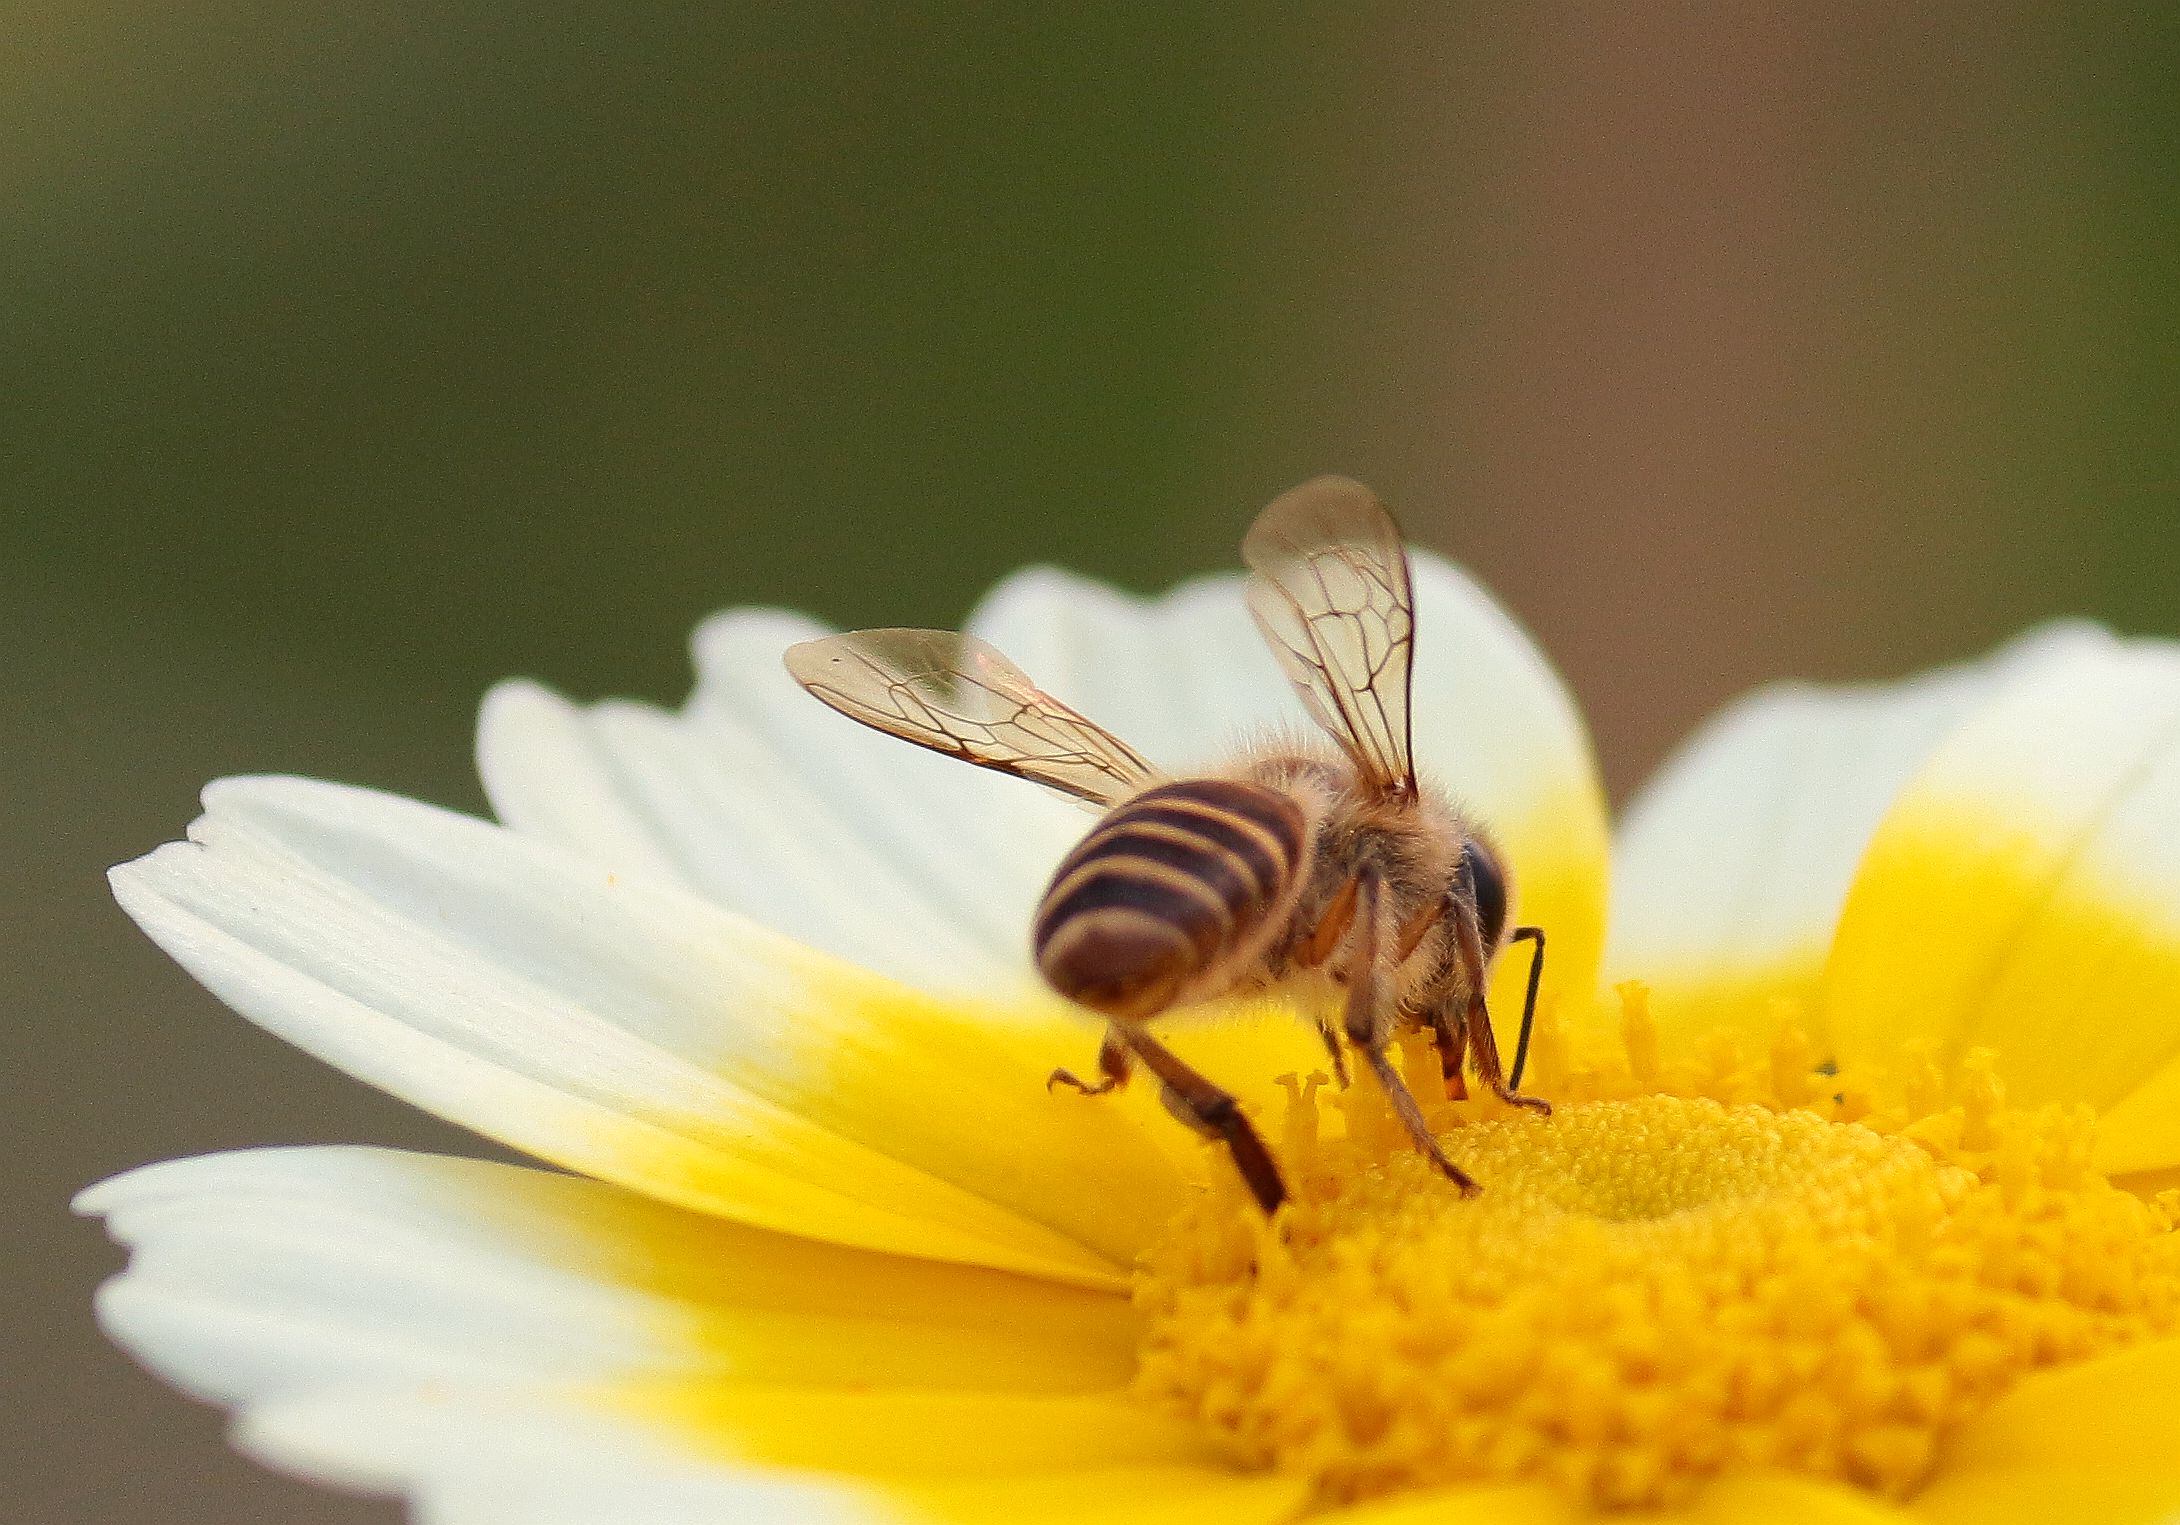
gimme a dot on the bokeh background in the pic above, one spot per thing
(354, 356)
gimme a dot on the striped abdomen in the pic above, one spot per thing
(1170, 887)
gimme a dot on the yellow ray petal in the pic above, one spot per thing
(2141, 1132)
(1557, 848)
(2022, 894)
(2045, 1495)
(1775, 1499)
(1113, 1496)
(386, 1439)
(2120, 1412)
(910, 1434)
(959, 1091)
(1483, 1504)
(1778, 1499)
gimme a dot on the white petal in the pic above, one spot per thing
(1186, 677)
(969, 845)
(1493, 721)
(1733, 861)
(918, 867)
(1183, 678)
(548, 1492)
(548, 776)
(643, 1036)
(270, 1273)
(706, 804)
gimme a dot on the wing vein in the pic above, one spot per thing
(1332, 593)
(957, 695)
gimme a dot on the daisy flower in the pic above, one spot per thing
(1855, 1206)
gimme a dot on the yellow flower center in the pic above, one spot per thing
(1653, 1288)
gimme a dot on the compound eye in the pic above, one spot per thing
(1487, 881)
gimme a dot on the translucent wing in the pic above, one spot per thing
(957, 695)
(1332, 594)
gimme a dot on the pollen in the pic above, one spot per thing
(1750, 1265)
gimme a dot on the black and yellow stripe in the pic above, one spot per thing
(1163, 888)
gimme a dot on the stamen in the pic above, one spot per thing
(1653, 1289)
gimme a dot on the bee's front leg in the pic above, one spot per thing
(1483, 1043)
(1483, 1047)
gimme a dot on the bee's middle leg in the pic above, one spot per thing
(1369, 1025)
(1114, 1067)
(1449, 1034)
(1331, 1035)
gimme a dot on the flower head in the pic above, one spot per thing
(1850, 1208)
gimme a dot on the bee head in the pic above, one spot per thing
(1487, 884)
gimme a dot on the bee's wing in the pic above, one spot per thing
(956, 694)
(1331, 591)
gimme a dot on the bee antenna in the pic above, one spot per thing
(1529, 1002)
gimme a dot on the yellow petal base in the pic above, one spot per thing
(1652, 1290)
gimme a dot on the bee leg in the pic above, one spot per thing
(1113, 1064)
(1330, 1034)
(1483, 1047)
(1483, 1043)
(1419, 1128)
(1319, 943)
(1368, 1012)
(1449, 1033)
(1212, 1112)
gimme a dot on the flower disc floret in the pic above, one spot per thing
(1651, 1291)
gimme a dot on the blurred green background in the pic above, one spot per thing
(352, 357)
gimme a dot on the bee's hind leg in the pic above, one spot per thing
(1191, 1098)
(1210, 1111)
(1114, 1067)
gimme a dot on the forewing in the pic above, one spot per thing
(1332, 594)
(957, 695)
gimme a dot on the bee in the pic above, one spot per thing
(1320, 858)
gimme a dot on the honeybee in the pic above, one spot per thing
(1290, 859)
